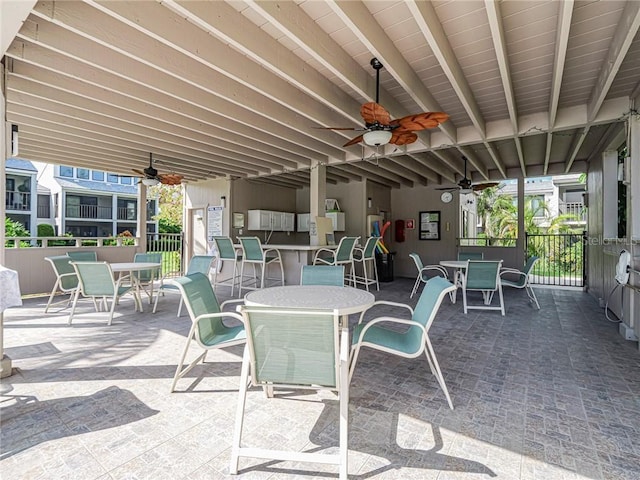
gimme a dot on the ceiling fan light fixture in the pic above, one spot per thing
(375, 138)
(466, 191)
(150, 182)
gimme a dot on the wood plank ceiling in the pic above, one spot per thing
(239, 89)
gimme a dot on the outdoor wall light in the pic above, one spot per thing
(223, 201)
(369, 202)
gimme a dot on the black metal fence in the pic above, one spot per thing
(170, 245)
(562, 259)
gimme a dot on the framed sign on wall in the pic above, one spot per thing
(429, 228)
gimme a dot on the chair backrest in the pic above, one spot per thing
(369, 250)
(429, 303)
(95, 278)
(64, 271)
(296, 347)
(225, 248)
(417, 260)
(200, 264)
(470, 255)
(344, 252)
(530, 264)
(200, 299)
(83, 256)
(147, 275)
(482, 274)
(251, 249)
(322, 275)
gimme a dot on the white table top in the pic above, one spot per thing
(133, 266)
(10, 289)
(346, 300)
(454, 263)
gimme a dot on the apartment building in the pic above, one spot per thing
(85, 202)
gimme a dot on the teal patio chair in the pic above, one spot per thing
(522, 279)
(367, 257)
(322, 275)
(294, 349)
(96, 281)
(147, 278)
(227, 252)
(411, 342)
(66, 279)
(207, 327)
(258, 257)
(197, 264)
(83, 256)
(483, 276)
(470, 256)
(342, 255)
(423, 273)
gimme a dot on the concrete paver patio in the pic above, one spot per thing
(549, 394)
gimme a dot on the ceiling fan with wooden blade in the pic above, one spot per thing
(150, 173)
(380, 129)
(465, 185)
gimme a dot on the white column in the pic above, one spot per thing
(142, 217)
(522, 234)
(5, 136)
(318, 194)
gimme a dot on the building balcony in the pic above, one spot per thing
(16, 200)
(576, 209)
(89, 212)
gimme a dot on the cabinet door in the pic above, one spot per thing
(303, 222)
(266, 220)
(337, 219)
(277, 221)
(288, 224)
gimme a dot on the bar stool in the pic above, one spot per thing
(226, 252)
(254, 255)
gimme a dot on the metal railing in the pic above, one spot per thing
(486, 242)
(573, 208)
(562, 259)
(17, 200)
(170, 245)
(125, 213)
(89, 211)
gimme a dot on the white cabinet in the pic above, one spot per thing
(289, 222)
(270, 221)
(303, 222)
(337, 220)
(259, 220)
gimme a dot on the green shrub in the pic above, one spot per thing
(45, 230)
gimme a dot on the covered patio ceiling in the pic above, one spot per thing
(238, 89)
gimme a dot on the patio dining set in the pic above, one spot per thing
(295, 336)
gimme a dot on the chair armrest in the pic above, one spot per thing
(322, 250)
(404, 321)
(435, 267)
(267, 250)
(512, 271)
(217, 315)
(385, 302)
(233, 300)
(70, 274)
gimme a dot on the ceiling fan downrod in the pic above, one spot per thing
(375, 63)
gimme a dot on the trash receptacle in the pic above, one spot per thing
(384, 265)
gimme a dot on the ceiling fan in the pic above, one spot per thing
(465, 185)
(380, 129)
(150, 175)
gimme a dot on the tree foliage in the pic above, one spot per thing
(170, 206)
(14, 229)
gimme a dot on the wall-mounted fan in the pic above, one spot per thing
(380, 129)
(151, 174)
(465, 185)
